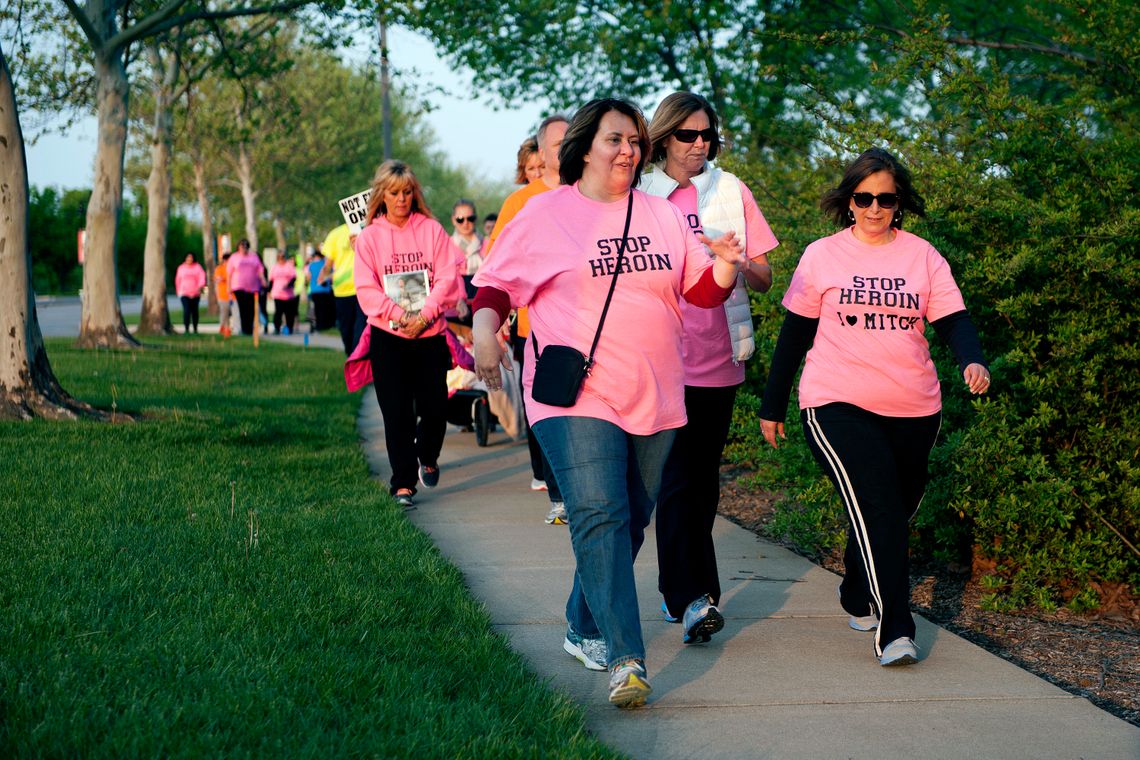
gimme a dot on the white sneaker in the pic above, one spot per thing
(860, 623)
(537, 485)
(865, 623)
(590, 652)
(557, 514)
(901, 651)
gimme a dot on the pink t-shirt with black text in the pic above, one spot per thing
(870, 349)
(706, 346)
(557, 257)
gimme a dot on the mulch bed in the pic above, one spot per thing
(1094, 656)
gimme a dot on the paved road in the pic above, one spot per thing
(59, 315)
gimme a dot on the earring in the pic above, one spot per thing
(850, 216)
(896, 220)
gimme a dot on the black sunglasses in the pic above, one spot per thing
(691, 135)
(886, 200)
(462, 219)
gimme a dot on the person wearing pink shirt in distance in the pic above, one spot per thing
(869, 396)
(189, 283)
(282, 284)
(246, 276)
(409, 352)
(607, 450)
(715, 345)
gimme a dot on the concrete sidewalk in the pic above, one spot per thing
(786, 678)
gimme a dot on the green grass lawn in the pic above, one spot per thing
(222, 577)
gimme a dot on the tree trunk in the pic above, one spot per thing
(248, 196)
(101, 324)
(279, 229)
(209, 255)
(28, 387)
(154, 319)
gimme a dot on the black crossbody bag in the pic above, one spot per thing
(560, 370)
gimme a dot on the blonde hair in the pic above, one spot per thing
(393, 174)
(528, 148)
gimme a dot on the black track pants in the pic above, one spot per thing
(879, 467)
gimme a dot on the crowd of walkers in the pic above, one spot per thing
(613, 288)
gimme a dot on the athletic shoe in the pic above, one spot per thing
(429, 476)
(590, 652)
(557, 514)
(537, 485)
(901, 651)
(864, 623)
(629, 686)
(701, 620)
(665, 613)
(860, 622)
(404, 498)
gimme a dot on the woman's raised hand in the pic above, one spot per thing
(727, 248)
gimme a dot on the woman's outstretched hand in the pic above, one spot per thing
(727, 248)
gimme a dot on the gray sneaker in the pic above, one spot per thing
(557, 514)
(901, 651)
(629, 687)
(701, 620)
(590, 652)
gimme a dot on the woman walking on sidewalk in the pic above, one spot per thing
(246, 276)
(870, 401)
(560, 257)
(407, 275)
(715, 345)
(189, 284)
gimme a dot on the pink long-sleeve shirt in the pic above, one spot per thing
(383, 249)
(189, 279)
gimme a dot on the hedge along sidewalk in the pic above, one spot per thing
(224, 577)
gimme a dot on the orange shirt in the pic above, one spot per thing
(222, 282)
(511, 206)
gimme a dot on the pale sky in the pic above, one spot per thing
(470, 132)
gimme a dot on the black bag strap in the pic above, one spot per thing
(613, 284)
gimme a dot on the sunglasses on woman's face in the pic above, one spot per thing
(691, 135)
(462, 219)
(886, 200)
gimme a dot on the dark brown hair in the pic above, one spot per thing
(836, 202)
(582, 130)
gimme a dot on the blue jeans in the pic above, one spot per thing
(609, 480)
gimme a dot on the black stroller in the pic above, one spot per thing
(470, 410)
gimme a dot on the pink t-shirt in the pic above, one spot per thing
(557, 257)
(189, 279)
(706, 347)
(245, 272)
(421, 245)
(870, 349)
(282, 278)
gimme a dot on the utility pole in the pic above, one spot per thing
(385, 86)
